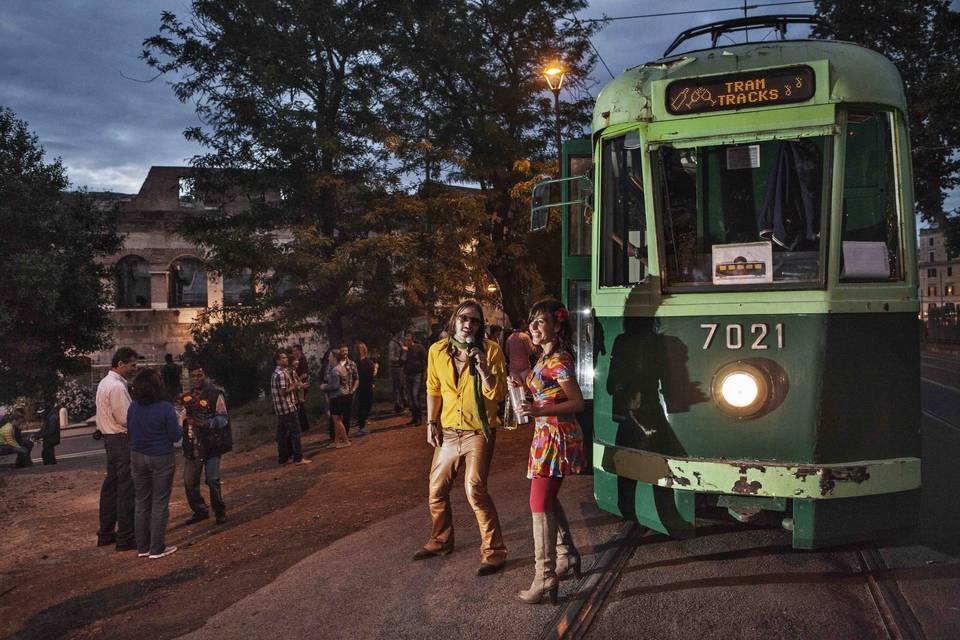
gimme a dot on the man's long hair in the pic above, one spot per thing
(479, 332)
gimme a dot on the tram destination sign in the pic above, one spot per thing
(741, 90)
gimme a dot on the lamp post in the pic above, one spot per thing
(554, 75)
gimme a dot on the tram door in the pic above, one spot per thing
(577, 238)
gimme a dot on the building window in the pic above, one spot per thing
(931, 242)
(949, 271)
(188, 283)
(186, 188)
(132, 282)
(931, 257)
(238, 289)
(948, 290)
(931, 273)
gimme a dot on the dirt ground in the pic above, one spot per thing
(55, 582)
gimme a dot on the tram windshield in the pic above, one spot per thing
(742, 214)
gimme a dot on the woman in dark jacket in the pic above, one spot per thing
(153, 428)
(367, 369)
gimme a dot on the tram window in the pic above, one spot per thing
(726, 195)
(578, 301)
(623, 257)
(871, 240)
(580, 220)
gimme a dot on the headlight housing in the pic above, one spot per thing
(745, 389)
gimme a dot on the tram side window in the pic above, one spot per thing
(580, 221)
(870, 235)
(623, 257)
(717, 204)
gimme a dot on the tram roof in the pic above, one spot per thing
(856, 75)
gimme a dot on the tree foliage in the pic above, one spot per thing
(236, 349)
(52, 302)
(471, 85)
(287, 96)
(922, 37)
(337, 104)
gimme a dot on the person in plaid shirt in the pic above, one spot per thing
(353, 383)
(283, 392)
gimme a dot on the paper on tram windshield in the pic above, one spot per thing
(865, 260)
(743, 263)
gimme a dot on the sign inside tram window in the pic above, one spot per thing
(741, 263)
(741, 90)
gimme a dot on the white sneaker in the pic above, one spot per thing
(167, 551)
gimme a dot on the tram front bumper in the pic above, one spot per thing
(760, 478)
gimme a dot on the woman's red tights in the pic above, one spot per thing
(543, 494)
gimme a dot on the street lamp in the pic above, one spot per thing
(555, 74)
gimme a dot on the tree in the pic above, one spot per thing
(52, 300)
(471, 84)
(236, 349)
(922, 37)
(288, 95)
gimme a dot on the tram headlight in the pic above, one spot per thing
(742, 389)
(739, 389)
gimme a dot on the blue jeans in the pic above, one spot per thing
(191, 484)
(23, 453)
(152, 481)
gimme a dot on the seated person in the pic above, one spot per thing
(12, 441)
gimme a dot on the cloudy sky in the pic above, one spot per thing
(63, 65)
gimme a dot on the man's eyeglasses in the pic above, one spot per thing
(465, 319)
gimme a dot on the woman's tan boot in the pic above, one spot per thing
(545, 556)
(568, 558)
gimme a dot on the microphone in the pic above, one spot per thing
(473, 363)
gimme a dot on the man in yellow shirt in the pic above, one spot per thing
(466, 378)
(10, 443)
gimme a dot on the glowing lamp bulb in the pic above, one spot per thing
(739, 389)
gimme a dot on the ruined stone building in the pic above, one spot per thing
(160, 282)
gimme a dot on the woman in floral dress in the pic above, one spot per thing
(557, 447)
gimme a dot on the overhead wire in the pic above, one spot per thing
(681, 13)
(744, 7)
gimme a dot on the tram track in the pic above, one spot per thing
(898, 618)
(573, 620)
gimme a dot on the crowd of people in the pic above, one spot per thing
(458, 382)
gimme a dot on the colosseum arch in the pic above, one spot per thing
(187, 282)
(132, 283)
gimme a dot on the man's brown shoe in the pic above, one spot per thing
(488, 569)
(423, 554)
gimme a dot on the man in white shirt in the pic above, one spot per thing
(116, 494)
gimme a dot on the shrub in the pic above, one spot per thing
(236, 350)
(78, 399)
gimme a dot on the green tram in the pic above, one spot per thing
(739, 257)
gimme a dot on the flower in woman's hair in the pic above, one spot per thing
(203, 403)
(188, 398)
(561, 315)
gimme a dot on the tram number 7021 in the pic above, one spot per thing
(734, 333)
